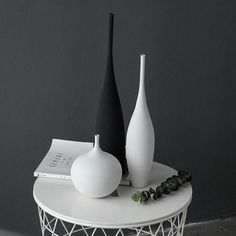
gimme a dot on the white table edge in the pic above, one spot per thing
(109, 226)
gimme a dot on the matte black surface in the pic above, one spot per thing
(110, 122)
(52, 59)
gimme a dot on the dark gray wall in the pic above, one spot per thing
(52, 62)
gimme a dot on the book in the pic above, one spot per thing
(60, 157)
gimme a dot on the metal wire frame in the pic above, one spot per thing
(50, 225)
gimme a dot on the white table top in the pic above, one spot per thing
(60, 199)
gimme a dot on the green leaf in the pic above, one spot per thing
(136, 196)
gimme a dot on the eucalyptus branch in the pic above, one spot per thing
(171, 184)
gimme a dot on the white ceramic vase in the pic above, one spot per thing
(140, 140)
(96, 174)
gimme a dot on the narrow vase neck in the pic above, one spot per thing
(110, 37)
(96, 146)
(141, 92)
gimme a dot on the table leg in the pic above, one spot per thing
(173, 226)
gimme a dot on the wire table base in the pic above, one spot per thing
(50, 225)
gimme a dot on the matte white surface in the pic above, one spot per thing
(140, 140)
(60, 199)
(96, 173)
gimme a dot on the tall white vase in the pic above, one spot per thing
(140, 140)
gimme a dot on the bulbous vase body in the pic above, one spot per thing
(96, 174)
(140, 138)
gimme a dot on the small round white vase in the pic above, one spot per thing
(97, 173)
(140, 138)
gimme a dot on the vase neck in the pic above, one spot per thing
(96, 142)
(141, 92)
(110, 37)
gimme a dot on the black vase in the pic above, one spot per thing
(110, 122)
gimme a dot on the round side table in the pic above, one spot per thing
(64, 211)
